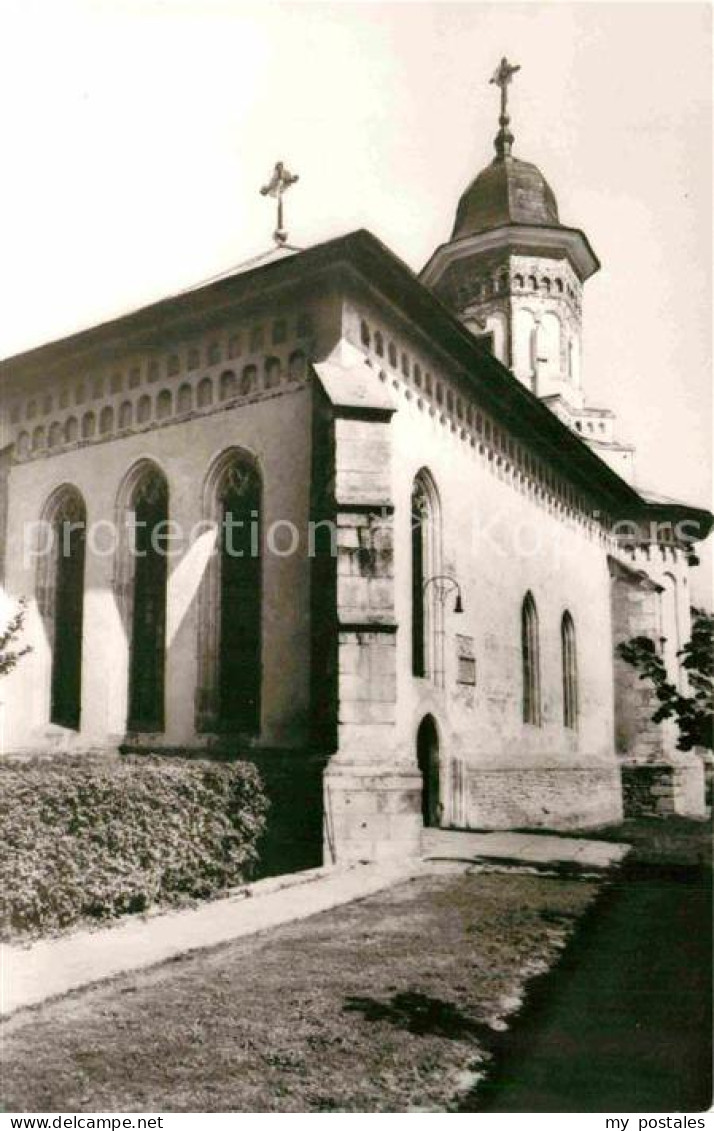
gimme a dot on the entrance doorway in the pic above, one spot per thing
(428, 762)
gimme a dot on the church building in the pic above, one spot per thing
(363, 527)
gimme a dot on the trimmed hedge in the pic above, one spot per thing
(89, 838)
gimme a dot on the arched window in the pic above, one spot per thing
(164, 404)
(228, 385)
(272, 372)
(185, 398)
(365, 336)
(530, 650)
(230, 613)
(38, 438)
(524, 342)
(126, 414)
(143, 410)
(60, 598)
(378, 344)
(106, 420)
(570, 671)
(427, 628)
(548, 344)
(671, 635)
(205, 393)
(248, 380)
(296, 366)
(146, 501)
(55, 435)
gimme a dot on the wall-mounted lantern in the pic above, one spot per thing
(444, 585)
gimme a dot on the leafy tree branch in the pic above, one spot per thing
(694, 712)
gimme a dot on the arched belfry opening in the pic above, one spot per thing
(230, 614)
(149, 506)
(428, 762)
(60, 591)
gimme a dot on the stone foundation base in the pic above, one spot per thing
(548, 797)
(370, 814)
(664, 789)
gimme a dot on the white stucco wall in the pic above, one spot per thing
(276, 430)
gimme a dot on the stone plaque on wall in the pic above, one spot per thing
(465, 661)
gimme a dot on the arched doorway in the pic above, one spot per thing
(428, 762)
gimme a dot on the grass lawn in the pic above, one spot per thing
(391, 1004)
(674, 841)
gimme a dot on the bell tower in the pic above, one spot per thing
(514, 274)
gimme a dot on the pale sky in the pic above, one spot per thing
(136, 136)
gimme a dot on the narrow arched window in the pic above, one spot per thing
(240, 620)
(427, 658)
(272, 372)
(143, 410)
(149, 500)
(205, 393)
(248, 379)
(296, 366)
(419, 518)
(60, 598)
(228, 385)
(164, 404)
(570, 671)
(185, 398)
(230, 613)
(530, 649)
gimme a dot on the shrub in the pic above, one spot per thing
(89, 838)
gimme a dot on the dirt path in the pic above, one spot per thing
(624, 1022)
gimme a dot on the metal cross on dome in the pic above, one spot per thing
(503, 76)
(280, 181)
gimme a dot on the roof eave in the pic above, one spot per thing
(572, 241)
